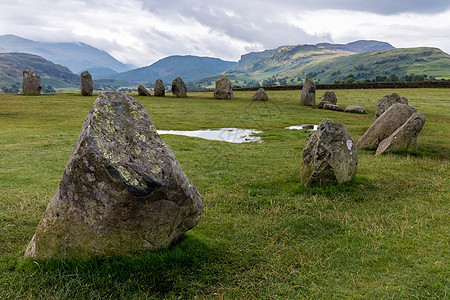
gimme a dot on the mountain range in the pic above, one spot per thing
(57, 64)
(78, 57)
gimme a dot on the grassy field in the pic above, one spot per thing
(263, 235)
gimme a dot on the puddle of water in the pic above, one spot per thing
(231, 135)
(306, 126)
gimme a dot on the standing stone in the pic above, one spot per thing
(142, 91)
(327, 97)
(122, 191)
(386, 101)
(160, 90)
(223, 89)
(355, 109)
(260, 95)
(87, 85)
(179, 88)
(405, 137)
(329, 156)
(308, 96)
(31, 84)
(385, 125)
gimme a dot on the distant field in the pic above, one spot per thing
(263, 235)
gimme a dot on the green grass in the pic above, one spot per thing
(262, 234)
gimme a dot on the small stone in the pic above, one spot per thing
(327, 97)
(329, 106)
(223, 89)
(142, 91)
(329, 156)
(179, 88)
(159, 89)
(355, 109)
(260, 95)
(86, 84)
(385, 125)
(386, 101)
(308, 96)
(405, 137)
(31, 84)
(122, 192)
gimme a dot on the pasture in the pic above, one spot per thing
(263, 234)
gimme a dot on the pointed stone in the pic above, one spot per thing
(405, 137)
(260, 95)
(142, 91)
(308, 96)
(122, 191)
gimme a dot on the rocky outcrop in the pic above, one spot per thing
(122, 191)
(355, 109)
(142, 91)
(385, 125)
(327, 97)
(329, 156)
(308, 96)
(159, 89)
(223, 89)
(405, 137)
(179, 88)
(31, 84)
(260, 95)
(86, 84)
(386, 101)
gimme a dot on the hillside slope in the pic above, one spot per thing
(187, 67)
(77, 57)
(13, 64)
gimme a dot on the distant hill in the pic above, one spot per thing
(424, 60)
(77, 57)
(187, 67)
(13, 64)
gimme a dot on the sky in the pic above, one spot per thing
(140, 32)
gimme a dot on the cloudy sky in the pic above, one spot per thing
(141, 32)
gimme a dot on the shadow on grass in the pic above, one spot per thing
(187, 268)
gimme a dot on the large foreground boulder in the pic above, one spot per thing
(308, 96)
(31, 84)
(179, 88)
(122, 191)
(86, 84)
(327, 97)
(223, 89)
(386, 101)
(260, 95)
(142, 91)
(159, 89)
(385, 125)
(405, 137)
(329, 156)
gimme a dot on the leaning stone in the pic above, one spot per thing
(327, 97)
(142, 91)
(260, 95)
(223, 89)
(122, 191)
(159, 89)
(355, 109)
(308, 96)
(86, 84)
(386, 101)
(329, 106)
(385, 125)
(31, 84)
(329, 156)
(179, 88)
(405, 137)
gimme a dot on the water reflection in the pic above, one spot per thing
(231, 135)
(305, 126)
